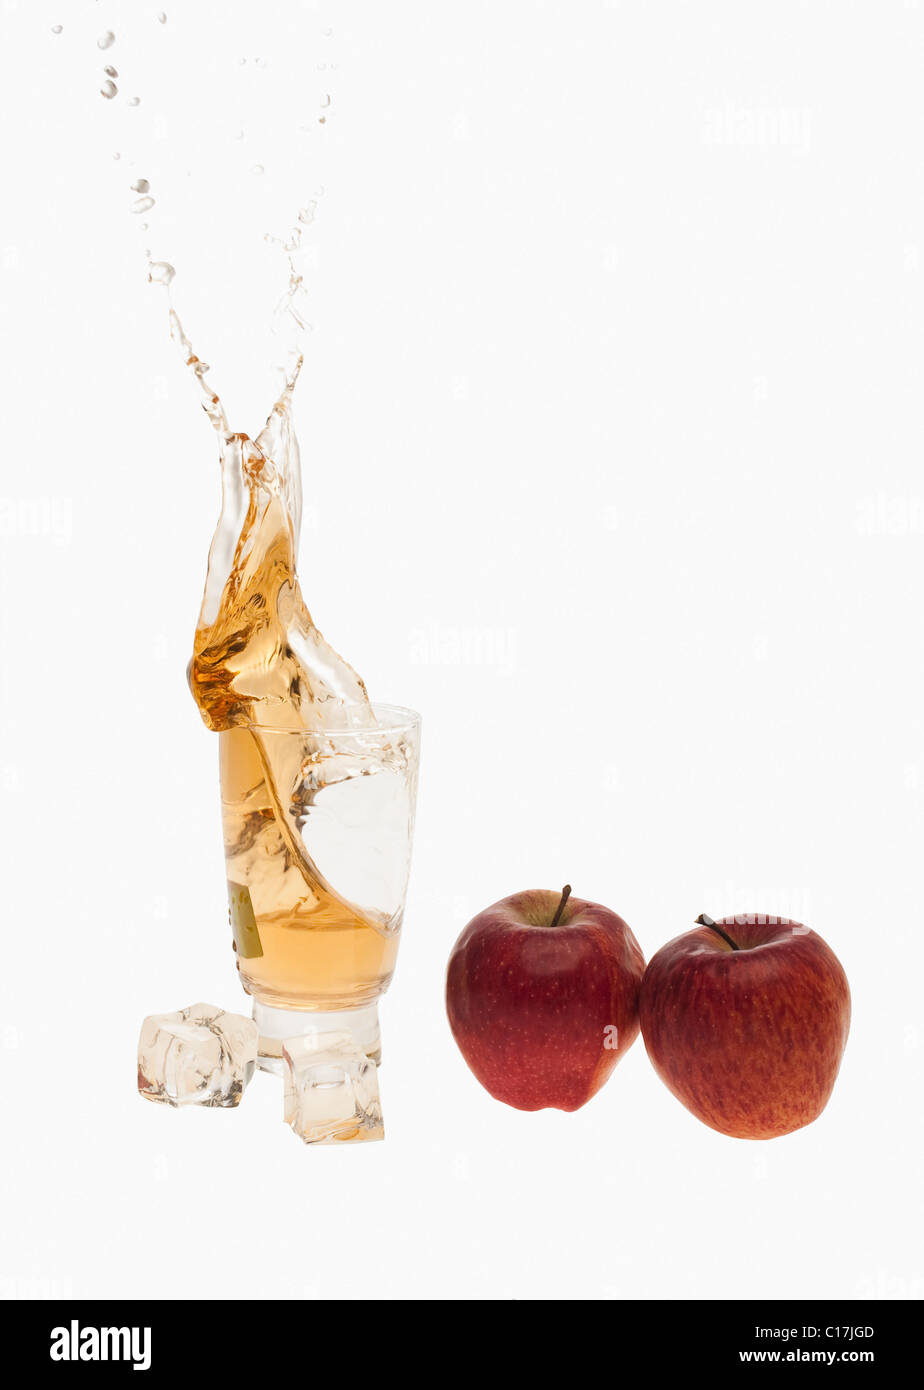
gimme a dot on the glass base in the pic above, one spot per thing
(276, 1025)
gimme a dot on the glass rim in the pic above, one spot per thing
(391, 719)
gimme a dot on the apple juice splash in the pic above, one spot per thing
(318, 786)
(295, 724)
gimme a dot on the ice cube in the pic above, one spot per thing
(199, 1056)
(331, 1089)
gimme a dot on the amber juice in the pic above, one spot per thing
(306, 946)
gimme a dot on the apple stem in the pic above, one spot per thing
(704, 920)
(565, 895)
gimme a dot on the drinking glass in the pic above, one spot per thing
(318, 829)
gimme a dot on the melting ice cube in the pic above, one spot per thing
(331, 1089)
(199, 1056)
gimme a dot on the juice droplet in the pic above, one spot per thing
(160, 273)
(56, 28)
(141, 186)
(143, 205)
(108, 90)
(134, 101)
(110, 72)
(106, 40)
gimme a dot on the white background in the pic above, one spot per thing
(612, 435)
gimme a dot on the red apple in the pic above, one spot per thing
(542, 996)
(746, 1021)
